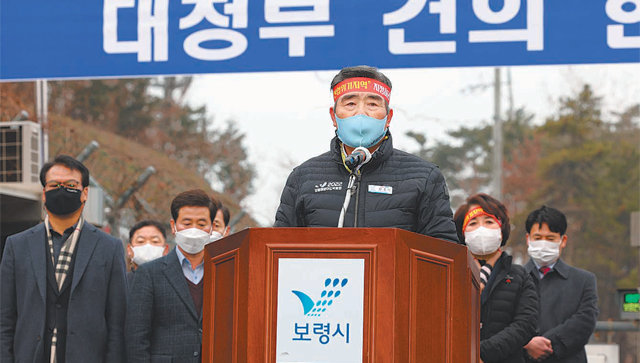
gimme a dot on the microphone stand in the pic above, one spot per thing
(351, 186)
(347, 198)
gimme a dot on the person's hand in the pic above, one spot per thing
(539, 348)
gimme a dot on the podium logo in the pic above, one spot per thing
(330, 292)
(326, 186)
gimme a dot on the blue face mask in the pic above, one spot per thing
(361, 130)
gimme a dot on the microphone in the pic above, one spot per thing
(358, 157)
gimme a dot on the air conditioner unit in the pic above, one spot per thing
(20, 152)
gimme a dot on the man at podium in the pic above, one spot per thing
(363, 181)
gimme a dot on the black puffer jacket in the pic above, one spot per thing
(509, 313)
(395, 189)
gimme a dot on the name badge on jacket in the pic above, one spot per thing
(380, 189)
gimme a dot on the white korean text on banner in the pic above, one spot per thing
(320, 310)
(85, 39)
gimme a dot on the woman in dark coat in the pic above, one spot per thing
(509, 303)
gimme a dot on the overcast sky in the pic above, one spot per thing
(285, 116)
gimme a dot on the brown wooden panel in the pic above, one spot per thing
(421, 300)
(257, 301)
(431, 306)
(224, 274)
(474, 318)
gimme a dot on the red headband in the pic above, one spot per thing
(476, 212)
(361, 84)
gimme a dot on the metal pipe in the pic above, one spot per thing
(107, 198)
(497, 138)
(42, 116)
(630, 325)
(84, 154)
(21, 116)
(146, 174)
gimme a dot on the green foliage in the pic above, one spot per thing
(466, 160)
(578, 162)
(591, 170)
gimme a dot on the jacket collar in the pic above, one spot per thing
(173, 273)
(529, 266)
(383, 153)
(560, 267)
(87, 242)
(503, 265)
(506, 260)
(38, 256)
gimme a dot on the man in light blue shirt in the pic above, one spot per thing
(191, 274)
(164, 315)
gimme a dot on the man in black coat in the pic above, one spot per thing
(390, 189)
(568, 295)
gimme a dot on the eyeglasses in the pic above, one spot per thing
(71, 184)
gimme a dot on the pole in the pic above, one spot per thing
(84, 154)
(497, 138)
(142, 179)
(42, 107)
(511, 113)
(347, 198)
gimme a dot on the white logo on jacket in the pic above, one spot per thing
(326, 186)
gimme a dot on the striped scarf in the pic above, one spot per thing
(61, 268)
(485, 272)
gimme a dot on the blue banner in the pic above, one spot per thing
(87, 39)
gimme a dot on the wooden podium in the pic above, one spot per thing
(421, 295)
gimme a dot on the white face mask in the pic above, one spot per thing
(192, 240)
(544, 252)
(483, 241)
(146, 252)
(215, 235)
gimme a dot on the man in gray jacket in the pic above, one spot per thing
(164, 314)
(62, 282)
(391, 188)
(568, 296)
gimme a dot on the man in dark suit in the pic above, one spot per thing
(75, 314)
(164, 314)
(568, 295)
(147, 241)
